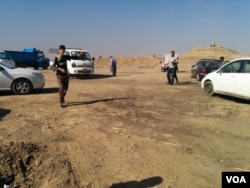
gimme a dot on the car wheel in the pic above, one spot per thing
(198, 77)
(208, 88)
(45, 66)
(22, 87)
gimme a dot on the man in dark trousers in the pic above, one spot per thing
(60, 64)
(113, 65)
(171, 62)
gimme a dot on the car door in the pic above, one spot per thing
(5, 78)
(226, 77)
(242, 86)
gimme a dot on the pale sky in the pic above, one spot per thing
(124, 27)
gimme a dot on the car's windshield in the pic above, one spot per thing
(40, 55)
(4, 56)
(84, 56)
(210, 64)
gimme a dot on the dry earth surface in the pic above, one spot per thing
(128, 131)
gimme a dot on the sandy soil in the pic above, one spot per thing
(132, 131)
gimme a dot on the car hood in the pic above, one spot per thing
(23, 71)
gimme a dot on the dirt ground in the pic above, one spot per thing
(128, 131)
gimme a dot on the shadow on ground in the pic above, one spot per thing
(4, 112)
(46, 90)
(94, 101)
(35, 92)
(149, 182)
(233, 99)
(97, 76)
(187, 83)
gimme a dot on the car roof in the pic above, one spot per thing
(75, 49)
(208, 60)
(242, 58)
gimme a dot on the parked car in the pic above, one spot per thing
(6, 59)
(20, 80)
(203, 67)
(231, 79)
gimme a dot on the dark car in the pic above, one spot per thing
(203, 67)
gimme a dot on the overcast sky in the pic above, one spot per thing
(125, 27)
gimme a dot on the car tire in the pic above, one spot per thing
(21, 87)
(208, 88)
(198, 77)
(45, 66)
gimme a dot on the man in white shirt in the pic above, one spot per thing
(171, 62)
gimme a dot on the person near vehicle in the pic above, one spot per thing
(221, 61)
(60, 64)
(171, 63)
(113, 65)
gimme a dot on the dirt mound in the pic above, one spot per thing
(26, 165)
(138, 62)
(211, 52)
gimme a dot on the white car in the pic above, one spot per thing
(77, 66)
(20, 80)
(231, 79)
(83, 65)
(6, 59)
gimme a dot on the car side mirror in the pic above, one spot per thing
(93, 58)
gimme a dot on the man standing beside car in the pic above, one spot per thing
(221, 61)
(172, 62)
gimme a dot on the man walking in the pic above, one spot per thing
(60, 64)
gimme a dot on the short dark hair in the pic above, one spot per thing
(62, 47)
(172, 51)
(222, 58)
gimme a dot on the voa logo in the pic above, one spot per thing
(236, 179)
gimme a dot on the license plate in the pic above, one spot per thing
(85, 70)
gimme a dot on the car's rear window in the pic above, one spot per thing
(210, 64)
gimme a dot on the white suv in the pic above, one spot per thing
(6, 59)
(231, 79)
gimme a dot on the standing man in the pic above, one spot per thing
(60, 64)
(172, 62)
(221, 61)
(113, 66)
